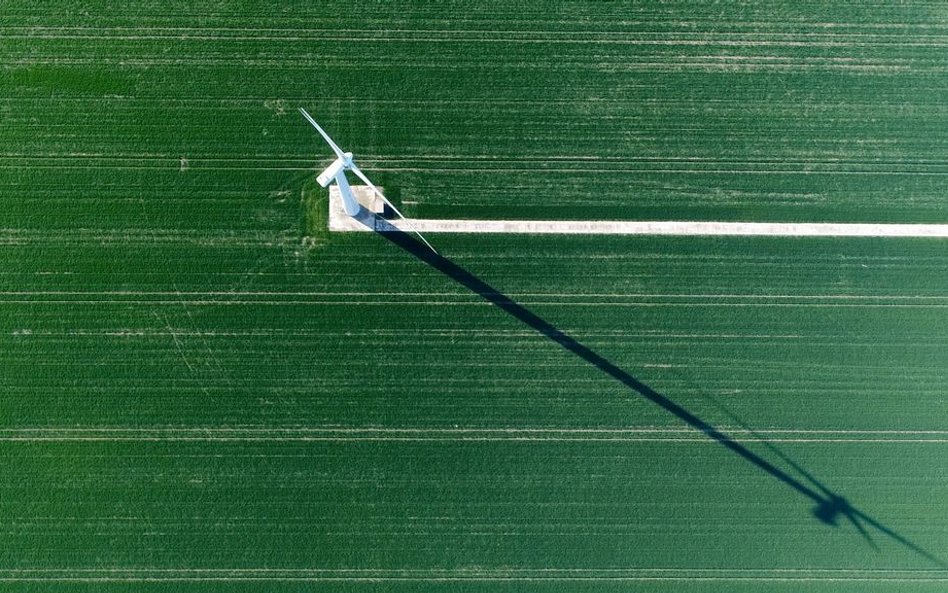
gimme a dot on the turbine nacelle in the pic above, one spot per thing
(329, 173)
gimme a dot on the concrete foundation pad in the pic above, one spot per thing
(368, 199)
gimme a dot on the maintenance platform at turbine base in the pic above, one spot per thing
(368, 199)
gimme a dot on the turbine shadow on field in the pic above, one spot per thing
(829, 507)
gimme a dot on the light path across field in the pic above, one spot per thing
(339, 221)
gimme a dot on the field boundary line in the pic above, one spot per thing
(353, 434)
(446, 575)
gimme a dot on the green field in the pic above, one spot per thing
(201, 389)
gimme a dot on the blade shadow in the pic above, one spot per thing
(832, 507)
(829, 507)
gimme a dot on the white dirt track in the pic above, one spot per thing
(340, 222)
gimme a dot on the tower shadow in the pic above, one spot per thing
(829, 507)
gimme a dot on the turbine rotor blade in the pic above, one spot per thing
(362, 176)
(333, 145)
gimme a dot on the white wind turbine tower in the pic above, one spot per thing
(337, 172)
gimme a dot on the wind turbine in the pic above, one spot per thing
(337, 172)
